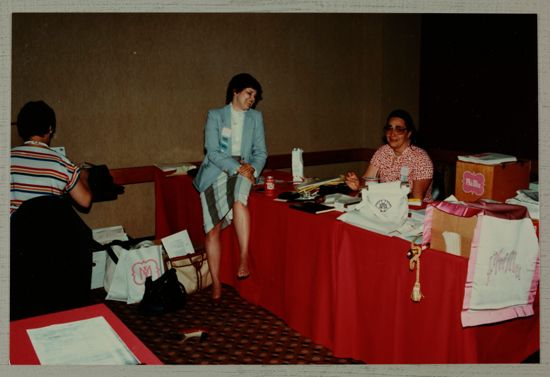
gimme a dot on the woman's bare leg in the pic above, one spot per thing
(213, 253)
(241, 222)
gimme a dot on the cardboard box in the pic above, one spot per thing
(497, 182)
(451, 233)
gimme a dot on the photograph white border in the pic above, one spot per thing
(540, 7)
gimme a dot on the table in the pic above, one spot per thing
(177, 207)
(349, 289)
(22, 351)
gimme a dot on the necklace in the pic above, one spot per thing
(34, 142)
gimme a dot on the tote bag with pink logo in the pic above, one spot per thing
(132, 269)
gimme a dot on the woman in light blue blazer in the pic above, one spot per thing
(235, 156)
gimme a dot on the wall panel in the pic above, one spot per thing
(133, 89)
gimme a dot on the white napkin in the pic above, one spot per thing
(297, 165)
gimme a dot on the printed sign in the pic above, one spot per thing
(473, 183)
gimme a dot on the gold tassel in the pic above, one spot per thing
(416, 294)
(414, 253)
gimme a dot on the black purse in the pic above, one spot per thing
(163, 295)
(102, 184)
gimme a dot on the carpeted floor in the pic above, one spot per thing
(237, 333)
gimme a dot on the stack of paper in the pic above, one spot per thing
(487, 158)
(180, 168)
(342, 202)
(109, 234)
(529, 199)
(86, 342)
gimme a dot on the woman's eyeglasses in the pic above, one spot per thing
(398, 130)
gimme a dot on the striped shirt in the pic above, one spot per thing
(37, 171)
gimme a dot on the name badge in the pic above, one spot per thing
(226, 132)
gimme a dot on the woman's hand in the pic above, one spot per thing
(247, 171)
(419, 188)
(352, 180)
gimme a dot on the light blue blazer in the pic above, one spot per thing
(217, 142)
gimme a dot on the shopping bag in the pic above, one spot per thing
(121, 284)
(133, 267)
(192, 270)
(383, 208)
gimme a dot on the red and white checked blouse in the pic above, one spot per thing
(416, 159)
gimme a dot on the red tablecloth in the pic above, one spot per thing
(348, 288)
(177, 207)
(22, 351)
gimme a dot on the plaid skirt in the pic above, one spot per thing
(217, 200)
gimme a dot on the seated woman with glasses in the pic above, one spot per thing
(398, 159)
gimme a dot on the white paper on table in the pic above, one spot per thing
(178, 244)
(418, 214)
(86, 342)
(109, 234)
(534, 209)
(337, 198)
(411, 230)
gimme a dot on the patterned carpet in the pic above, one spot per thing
(237, 333)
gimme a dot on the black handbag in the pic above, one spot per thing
(163, 295)
(102, 184)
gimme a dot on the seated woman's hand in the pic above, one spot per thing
(247, 171)
(352, 181)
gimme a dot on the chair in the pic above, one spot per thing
(50, 258)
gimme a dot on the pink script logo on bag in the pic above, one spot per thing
(473, 183)
(142, 269)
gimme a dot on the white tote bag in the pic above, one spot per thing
(384, 207)
(503, 271)
(115, 282)
(127, 282)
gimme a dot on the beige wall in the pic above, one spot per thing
(133, 89)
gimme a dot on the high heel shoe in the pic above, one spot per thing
(216, 294)
(243, 274)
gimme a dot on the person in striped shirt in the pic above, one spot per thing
(36, 169)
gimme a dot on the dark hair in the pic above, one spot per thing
(35, 118)
(407, 118)
(240, 82)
